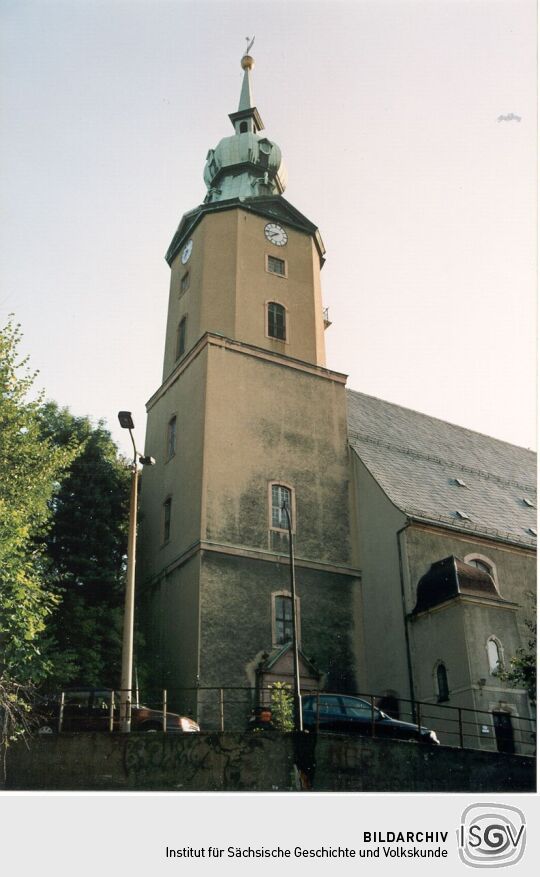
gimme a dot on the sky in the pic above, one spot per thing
(388, 114)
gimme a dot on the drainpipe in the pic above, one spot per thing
(406, 621)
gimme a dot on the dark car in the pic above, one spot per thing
(343, 712)
(346, 713)
(90, 710)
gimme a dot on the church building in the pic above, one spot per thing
(414, 539)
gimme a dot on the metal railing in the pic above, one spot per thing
(229, 708)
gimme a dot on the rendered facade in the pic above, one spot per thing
(400, 569)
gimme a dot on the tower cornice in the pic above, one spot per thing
(211, 339)
(271, 207)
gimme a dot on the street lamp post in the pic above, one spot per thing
(126, 422)
(298, 718)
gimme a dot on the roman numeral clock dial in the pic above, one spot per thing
(275, 234)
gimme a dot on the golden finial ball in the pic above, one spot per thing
(247, 62)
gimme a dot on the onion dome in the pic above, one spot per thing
(248, 164)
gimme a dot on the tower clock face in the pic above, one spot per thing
(275, 234)
(186, 252)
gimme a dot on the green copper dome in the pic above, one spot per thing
(246, 165)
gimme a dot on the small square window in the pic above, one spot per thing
(276, 266)
(184, 283)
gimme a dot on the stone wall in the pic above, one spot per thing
(257, 762)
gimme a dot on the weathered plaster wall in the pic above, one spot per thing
(270, 422)
(457, 633)
(179, 477)
(516, 567)
(229, 287)
(257, 762)
(377, 523)
(236, 604)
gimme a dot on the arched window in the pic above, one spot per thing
(243, 127)
(166, 521)
(495, 656)
(276, 321)
(171, 438)
(480, 564)
(282, 619)
(181, 338)
(281, 496)
(442, 683)
(484, 564)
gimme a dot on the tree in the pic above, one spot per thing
(86, 546)
(521, 671)
(30, 470)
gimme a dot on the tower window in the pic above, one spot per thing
(281, 496)
(184, 283)
(181, 338)
(283, 619)
(171, 438)
(276, 321)
(494, 651)
(166, 521)
(243, 127)
(442, 683)
(276, 266)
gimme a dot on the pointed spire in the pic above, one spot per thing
(247, 111)
(247, 63)
(246, 95)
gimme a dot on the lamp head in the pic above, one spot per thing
(126, 420)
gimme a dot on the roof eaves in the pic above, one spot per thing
(471, 529)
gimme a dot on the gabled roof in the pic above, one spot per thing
(273, 206)
(268, 662)
(438, 472)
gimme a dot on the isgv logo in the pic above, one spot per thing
(491, 835)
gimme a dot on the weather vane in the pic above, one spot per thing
(249, 44)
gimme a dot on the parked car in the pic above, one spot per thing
(345, 713)
(90, 710)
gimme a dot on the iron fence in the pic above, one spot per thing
(229, 708)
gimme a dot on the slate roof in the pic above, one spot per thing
(417, 460)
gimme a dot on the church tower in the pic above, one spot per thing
(247, 416)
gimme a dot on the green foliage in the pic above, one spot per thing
(86, 547)
(30, 470)
(521, 672)
(282, 704)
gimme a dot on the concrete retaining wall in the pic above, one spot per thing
(257, 762)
